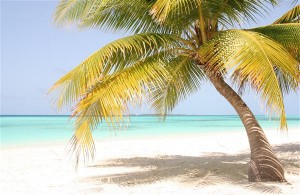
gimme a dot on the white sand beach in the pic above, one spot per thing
(211, 163)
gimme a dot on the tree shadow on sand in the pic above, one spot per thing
(209, 169)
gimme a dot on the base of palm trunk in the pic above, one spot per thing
(264, 169)
(264, 165)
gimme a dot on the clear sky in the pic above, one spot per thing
(34, 54)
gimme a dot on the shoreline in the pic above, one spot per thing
(210, 163)
(283, 135)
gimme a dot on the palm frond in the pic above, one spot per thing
(160, 16)
(254, 58)
(227, 13)
(162, 9)
(112, 15)
(185, 78)
(286, 34)
(111, 58)
(82, 142)
(109, 100)
(128, 16)
(231, 13)
(292, 16)
(69, 11)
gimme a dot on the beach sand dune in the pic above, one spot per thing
(212, 163)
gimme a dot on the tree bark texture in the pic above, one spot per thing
(264, 165)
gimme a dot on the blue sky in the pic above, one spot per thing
(34, 54)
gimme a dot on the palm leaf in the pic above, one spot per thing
(112, 57)
(185, 78)
(140, 16)
(109, 100)
(68, 11)
(82, 142)
(292, 16)
(230, 13)
(286, 34)
(132, 16)
(253, 58)
(227, 13)
(111, 15)
(162, 9)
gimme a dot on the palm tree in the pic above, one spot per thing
(172, 48)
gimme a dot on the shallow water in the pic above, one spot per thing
(41, 129)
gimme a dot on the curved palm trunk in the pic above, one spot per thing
(264, 165)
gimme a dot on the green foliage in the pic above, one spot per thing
(111, 58)
(292, 16)
(160, 16)
(174, 43)
(185, 78)
(285, 34)
(253, 59)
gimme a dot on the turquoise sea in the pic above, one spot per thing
(43, 129)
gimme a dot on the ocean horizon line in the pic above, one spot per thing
(124, 115)
(53, 115)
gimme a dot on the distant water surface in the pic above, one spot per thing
(43, 129)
